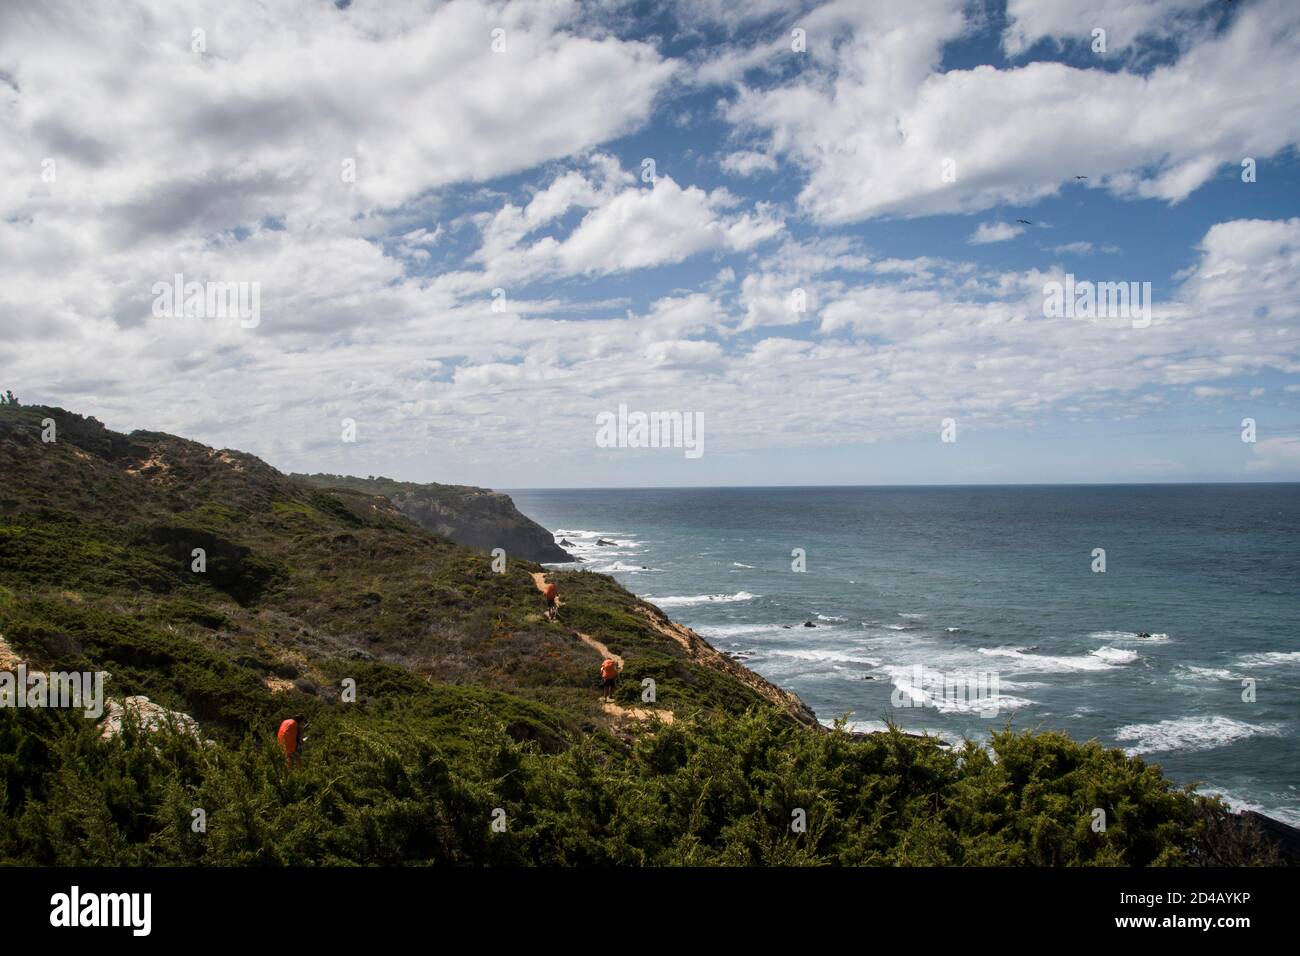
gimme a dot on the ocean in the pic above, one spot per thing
(909, 587)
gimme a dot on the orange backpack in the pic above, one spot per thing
(608, 669)
(288, 736)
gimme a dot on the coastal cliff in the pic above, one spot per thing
(302, 572)
(476, 517)
(437, 695)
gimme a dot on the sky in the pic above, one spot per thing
(827, 232)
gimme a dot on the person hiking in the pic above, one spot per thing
(608, 678)
(291, 738)
(552, 595)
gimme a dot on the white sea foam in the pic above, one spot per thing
(931, 694)
(1002, 702)
(582, 542)
(687, 600)
(829, 617)
(621, 567)
(602, 558)
(1210, 673)
(737, 564)
(1020, 684)
(1100, 659)
(730, 631)
(1232, 800)
(827, 656)
(1115, 655)
(1191, 734)
(1290, 815)
(1007, 702)
(917, 648)
(1269, 659)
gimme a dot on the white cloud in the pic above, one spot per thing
(226, 167)
(1074, 20)
(416, 243)
(1082, 248)
(1275, 454)
(994, 232)
(260, 123)
(160, 150)
(227, 164)
(683, 353)
(1248, 270)
(747, 163)
(636, 227)
(886, 351)
(731, 14)
(872, 120)
(772, 299)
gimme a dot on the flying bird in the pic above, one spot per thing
(1025, 221)
(1080, 177)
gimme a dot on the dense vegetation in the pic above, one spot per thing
(468, 703)
(419, 780)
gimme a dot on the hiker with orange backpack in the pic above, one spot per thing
(552, 595)
(290, 739)
(608, 678)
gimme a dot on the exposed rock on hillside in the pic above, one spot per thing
(150, 716)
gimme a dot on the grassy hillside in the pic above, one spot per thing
(469, 703)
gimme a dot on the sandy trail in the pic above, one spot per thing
(609, 706)
(539, 578)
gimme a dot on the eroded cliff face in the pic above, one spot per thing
(476, 517)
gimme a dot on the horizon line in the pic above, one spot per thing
(1005, 484)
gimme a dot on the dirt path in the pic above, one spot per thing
(600, 648)
(539, 578)
(636, 713)
(609, 706)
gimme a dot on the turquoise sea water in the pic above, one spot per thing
(977, 581)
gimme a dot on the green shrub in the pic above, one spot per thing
(420, 781)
